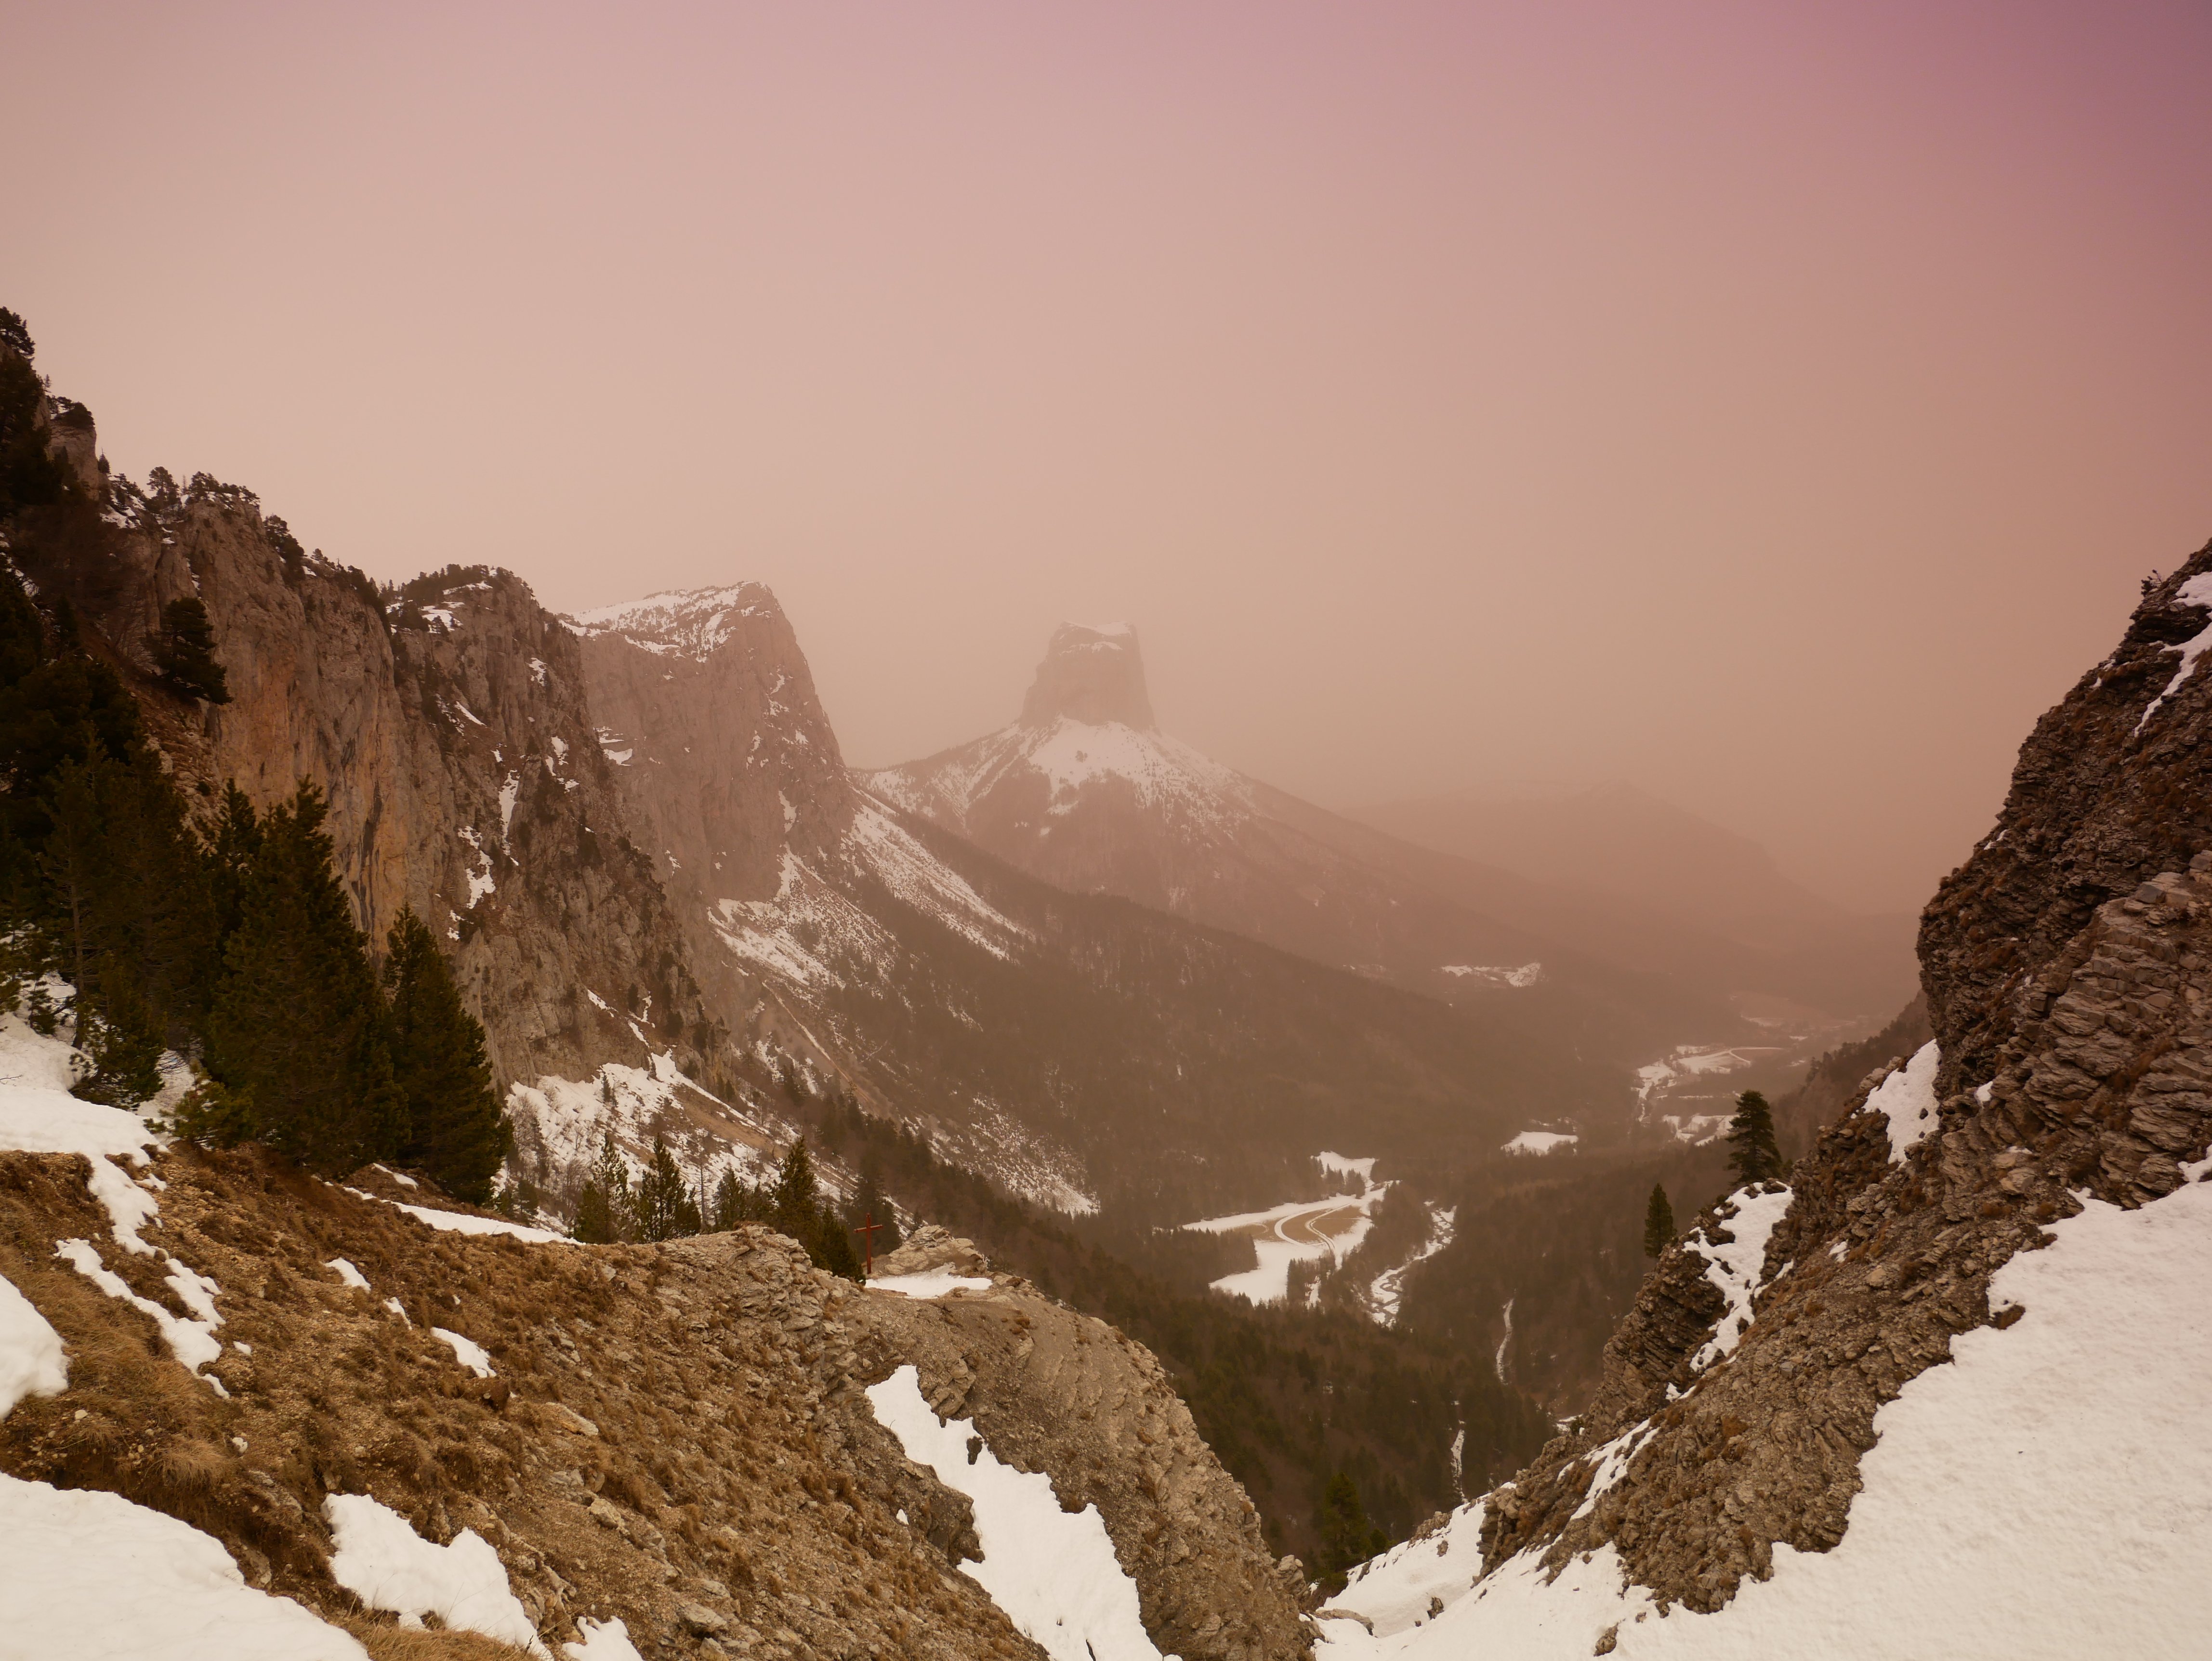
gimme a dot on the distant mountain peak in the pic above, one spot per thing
(1092, 672)
(690, 623)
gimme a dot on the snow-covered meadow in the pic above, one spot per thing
(1299, 1230)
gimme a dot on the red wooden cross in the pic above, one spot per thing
(868, 1268)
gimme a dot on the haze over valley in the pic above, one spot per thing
(1273, 836)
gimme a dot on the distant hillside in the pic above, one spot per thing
(1084, 791)
(1666, 863)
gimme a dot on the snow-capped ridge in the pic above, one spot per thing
(688, 623)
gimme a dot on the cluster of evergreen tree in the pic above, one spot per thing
(659, 1203)
(235, 945)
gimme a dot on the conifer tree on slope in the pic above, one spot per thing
(796, 1208)
(185, 648)
(100, 877)
(794, 1204)
(602, 1206)
(1347, 1535)
(455, 1130)
(1753, 1153)
(296, 1034)
(663, 1208)
(1658, 1221)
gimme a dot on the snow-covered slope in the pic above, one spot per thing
(2048, 1494)
(357, 1426)
(1943, 1393)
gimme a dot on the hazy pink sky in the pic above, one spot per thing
(1772, 405)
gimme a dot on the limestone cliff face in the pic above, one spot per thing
(2068, 970)
(723, 752)
(1091, 673)
(449, 731)
(726, 764)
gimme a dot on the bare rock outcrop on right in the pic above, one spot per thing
(2067, 966)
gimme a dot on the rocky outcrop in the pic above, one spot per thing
(448, 728)
(1091, 673)
(676, 1436)
(2065, 971)
(1053, 1391)
(1084, 792)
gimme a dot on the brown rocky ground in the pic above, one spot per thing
(675, 1434)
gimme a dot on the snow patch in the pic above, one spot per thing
(1299, 1230)
(191, 1339)
(1540, 1141)
(1053, 1573)
(603, 1640)
(461, 1222)
(385, 1563)
(2196, 592)
(1907, 1099)
(31, 1359)
(1737, 1268)
(1527, 974)
(1387, 1293)
(935, 1284)
(352, 1277)
(469, 1352)
(686, 623)
(91, 1577)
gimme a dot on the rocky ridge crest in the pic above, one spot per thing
(673, 1435)
(2065, 968)
(449, 732)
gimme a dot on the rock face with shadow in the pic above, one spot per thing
(447, 725)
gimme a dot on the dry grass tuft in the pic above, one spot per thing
(386, 1642)
(191, 1467)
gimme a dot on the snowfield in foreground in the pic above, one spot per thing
(2047, 1494)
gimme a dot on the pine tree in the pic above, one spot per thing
(794, 1205)
(1658, 1222)
(1347, 1535)
(297, 1030)
(663, 1208)
(832, 1247)
(1753, 1153)
(185, 649)
(232, 850)
(455, 1132)
(736, 1200)
(603, 1208)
